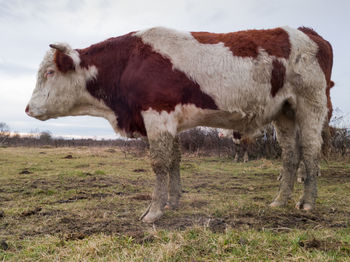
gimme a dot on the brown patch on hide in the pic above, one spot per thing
(133, 78)
(325, 60)
(64, 63)
(246, 43)
(277, 76)
(245, 140)
(237, 135)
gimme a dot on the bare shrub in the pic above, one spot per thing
(45, 138)
(4, 133)
(340, 142)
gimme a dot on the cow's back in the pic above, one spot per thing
(250, 71)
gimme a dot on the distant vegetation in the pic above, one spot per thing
(200, 141)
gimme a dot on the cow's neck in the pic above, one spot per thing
(91, 106)
(110, 58)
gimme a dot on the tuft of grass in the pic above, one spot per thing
(99, 172)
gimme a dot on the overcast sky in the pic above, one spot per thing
(27, 27)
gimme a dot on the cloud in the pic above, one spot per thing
(14, 69)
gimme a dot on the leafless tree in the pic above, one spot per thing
(45, 137)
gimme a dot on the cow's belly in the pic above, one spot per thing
(245, 121)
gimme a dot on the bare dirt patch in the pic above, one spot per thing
(31, 212)
(3, 245)
(336, 176)
(139, 170)
(198, 203)
(25, 172)
(110, 150)
(142, 197)
(324, 245)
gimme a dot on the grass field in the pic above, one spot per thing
(83, 204)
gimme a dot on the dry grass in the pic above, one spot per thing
(83, 204)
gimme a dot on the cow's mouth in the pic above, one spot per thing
(41, 117)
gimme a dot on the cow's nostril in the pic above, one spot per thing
(27, 109)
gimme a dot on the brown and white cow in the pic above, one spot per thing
(158, 82)
(242, 143)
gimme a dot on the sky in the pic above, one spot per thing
(27, 27)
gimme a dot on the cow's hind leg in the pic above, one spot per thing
(174, 186)
(245, 156)
(286, 130)
(160, 154)
(310, 121)
(301, 173)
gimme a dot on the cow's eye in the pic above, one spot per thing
(50, 73)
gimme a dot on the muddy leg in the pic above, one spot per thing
(311, 146)
(160, 154)
(287, 137)
(301, 172)
(174, 186)
(245, 157)
(245, 146)
(310, 119)
(236, 158)
(308, 199)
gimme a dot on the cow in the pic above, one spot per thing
(157, 82)
(242, 143)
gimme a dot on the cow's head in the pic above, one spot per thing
(60, 84)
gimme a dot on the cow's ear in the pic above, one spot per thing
(62, 59)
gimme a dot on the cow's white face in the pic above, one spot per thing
(57, 93)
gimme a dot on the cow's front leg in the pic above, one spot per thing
(174, 186)
(160, 154)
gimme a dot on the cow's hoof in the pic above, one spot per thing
(276, 204)
(169, 207)
(152, 216)
(174, 205)
(304, 206)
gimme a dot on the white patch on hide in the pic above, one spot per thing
(225, 133)
(75, 57)
(91, 73)
(188, 116)
(162, 122)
